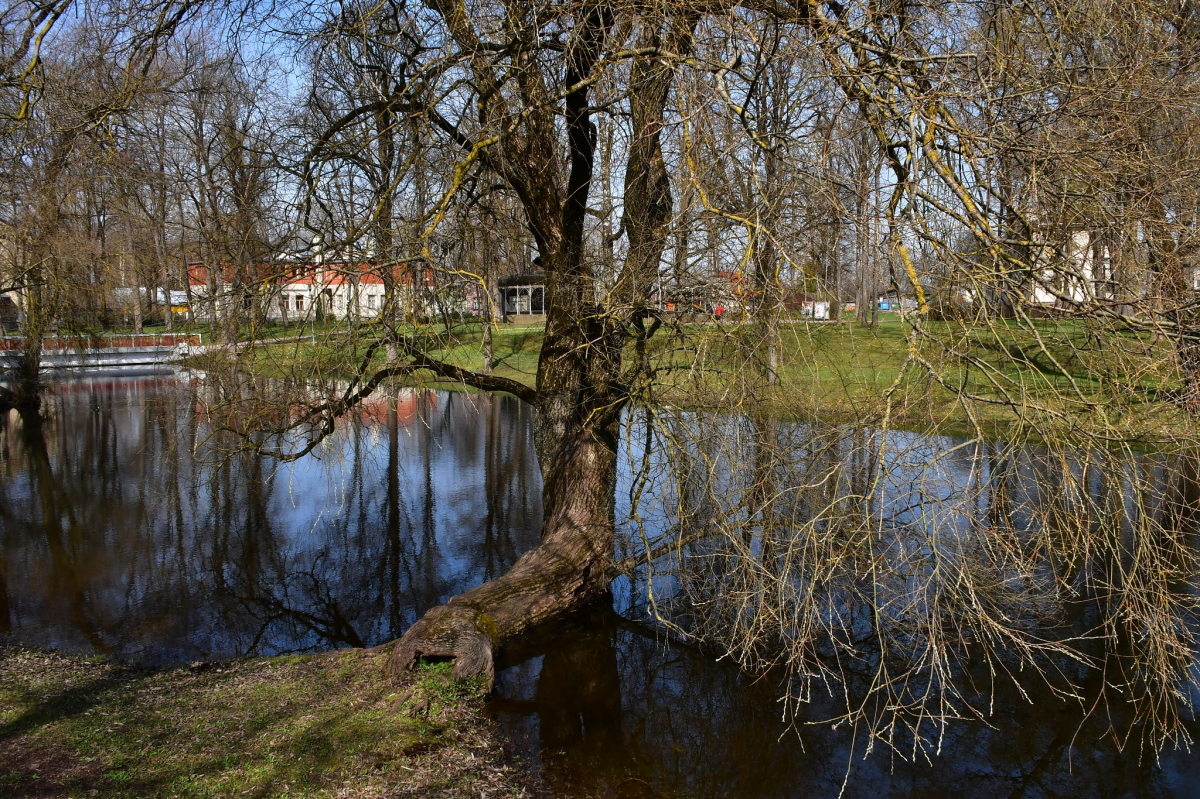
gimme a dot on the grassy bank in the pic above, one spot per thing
(317, 725)
(841, 372)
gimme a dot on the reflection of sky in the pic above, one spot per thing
(931, 501)
(164, 556)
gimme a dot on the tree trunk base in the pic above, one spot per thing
(570, 569)
(448, 631)
(543, 587)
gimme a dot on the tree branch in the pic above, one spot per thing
(478, 380)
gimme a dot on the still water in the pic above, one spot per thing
(126, 530)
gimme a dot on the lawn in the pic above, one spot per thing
(314, 725)
(1048, 373)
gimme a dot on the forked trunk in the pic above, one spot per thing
(579, 380)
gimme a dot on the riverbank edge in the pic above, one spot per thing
(1162, 428)
(831, 374)
(326, 724)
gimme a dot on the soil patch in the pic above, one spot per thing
(36, 771)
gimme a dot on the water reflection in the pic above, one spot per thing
(125, 529)
(606, 707)
(911, 578)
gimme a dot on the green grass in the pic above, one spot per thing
(515, 349)
(290, 726)
(267, 330)
(1084, 376)
(1055, 374)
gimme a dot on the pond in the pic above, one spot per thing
(126, 530)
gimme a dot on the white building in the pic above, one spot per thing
(297, 291)
(1078, 274)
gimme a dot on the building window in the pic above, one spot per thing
(370, 300)
(299, 302)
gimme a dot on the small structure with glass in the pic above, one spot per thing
(523, 295)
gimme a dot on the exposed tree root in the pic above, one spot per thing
(568, 570)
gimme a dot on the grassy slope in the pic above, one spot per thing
(320, 725)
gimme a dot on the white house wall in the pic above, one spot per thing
(1076, 279)
(340, 297)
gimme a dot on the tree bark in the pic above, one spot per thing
(766, 265)
(486, 265)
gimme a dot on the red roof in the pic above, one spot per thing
(330, 274)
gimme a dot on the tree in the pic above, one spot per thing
(56, 111)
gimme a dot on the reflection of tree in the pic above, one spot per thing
(888, 568)
(429, 544)
(508, 469)
(181, 549)
(403, 536)
(619, 712)
(60, 511)
(392, 512)
(578, 704)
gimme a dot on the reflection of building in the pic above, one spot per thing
(409, 404)
(523, 295)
